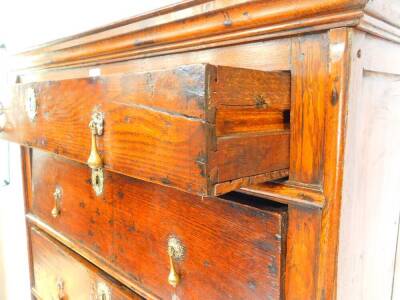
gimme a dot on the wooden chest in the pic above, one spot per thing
(202, 151)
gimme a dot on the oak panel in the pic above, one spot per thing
(310, 91)
(55, 264)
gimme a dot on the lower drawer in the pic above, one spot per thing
(225, 248)
(61, 274)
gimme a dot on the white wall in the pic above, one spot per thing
(24, 23)
(14, 274)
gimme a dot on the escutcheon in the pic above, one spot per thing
(31, 104)
(98, 181)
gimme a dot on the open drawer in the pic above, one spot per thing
(200, 128)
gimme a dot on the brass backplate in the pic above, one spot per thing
(176, 249)
(97, 123)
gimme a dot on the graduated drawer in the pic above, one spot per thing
(61, 274)
(231, 248)
(199, 128)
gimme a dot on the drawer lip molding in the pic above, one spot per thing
(200, 128)
(143, 232)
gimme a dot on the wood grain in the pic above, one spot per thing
(245, 120)
(241, 156)
(310, 70)
(319, 62)
(285, 193)
(271, 56)
(53, 262)
(197, 25)
(302, 253)
(129, 227)
(335, 133)
(161, 126)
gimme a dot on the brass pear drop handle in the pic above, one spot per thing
(60, 289)
(55, 212)
(96, 126)
(173, 277)
(95, 162)
(176, 252)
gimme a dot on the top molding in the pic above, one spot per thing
(197, 24)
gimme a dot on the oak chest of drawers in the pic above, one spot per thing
(196, 152)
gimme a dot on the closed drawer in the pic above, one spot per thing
(203, 129)
(61, 274)
(231, 248)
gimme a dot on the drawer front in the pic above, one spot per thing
(192, 128)
(224, 249)
(61, 274)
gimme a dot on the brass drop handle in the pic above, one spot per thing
(55, 212)
(96, 128)
(173, 277)
(95, 162)
(60, 289)
(176, 251)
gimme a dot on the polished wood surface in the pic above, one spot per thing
(61, 274)
(305, 225)
(317, 43)
(191, 127)
(199, 24)
(129, 227)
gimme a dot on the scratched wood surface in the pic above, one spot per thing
(130, 225)
(54, 263)
(165, 126)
